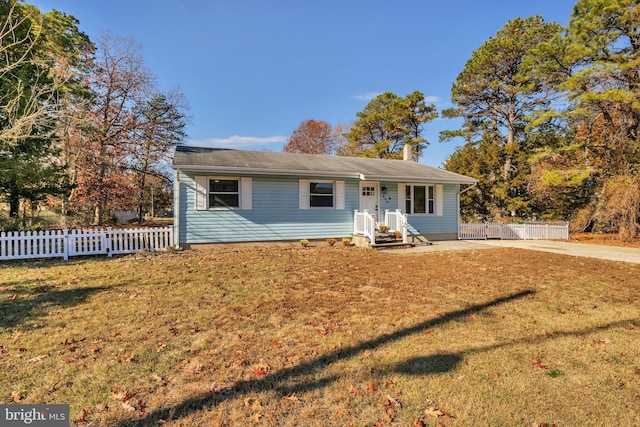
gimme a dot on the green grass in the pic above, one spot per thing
(325, 336)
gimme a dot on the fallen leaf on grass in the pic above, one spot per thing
(372, 388)
(121, 395)
(259, 371)
(538, 363)
(342, 411)
(390, 407)
(83, 417)
(250, 402)
(354, 389)
(15, 397)
(434, 412)
(418, 423)
(127, 407)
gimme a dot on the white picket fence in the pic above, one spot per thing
(67, 243)
(496, 230)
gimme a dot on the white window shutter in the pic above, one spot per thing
(339, 195)
(247, 193)
(402, 197)
(201, 192)
(439, 200)
(303, 194)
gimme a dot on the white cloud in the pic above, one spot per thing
(240, 142)
(430, 99)
(367, 96)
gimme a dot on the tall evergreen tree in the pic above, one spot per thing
(387, 124)
(496, 95)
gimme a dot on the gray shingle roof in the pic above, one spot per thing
(210, 160)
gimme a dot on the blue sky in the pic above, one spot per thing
(252, 70)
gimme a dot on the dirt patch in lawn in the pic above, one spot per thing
(325, 336)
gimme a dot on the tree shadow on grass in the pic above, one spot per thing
(281, 381)
(15, 312)
(438, 363)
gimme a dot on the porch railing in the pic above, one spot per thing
(364, 223)
(396, 221)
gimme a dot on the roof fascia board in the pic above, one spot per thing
(253, 171)
(418, 179)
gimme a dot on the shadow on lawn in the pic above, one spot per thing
(34, 303)
(279, 380)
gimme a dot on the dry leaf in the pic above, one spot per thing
(539, 364)
(127, 407)
(15, 397)
(418, 423)
(433, 412)
(342, 411)
(372, 388)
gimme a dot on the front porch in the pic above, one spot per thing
(391, 232)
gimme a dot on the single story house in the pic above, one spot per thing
(224, 195)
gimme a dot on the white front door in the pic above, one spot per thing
(369, 197)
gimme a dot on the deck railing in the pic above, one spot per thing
(67, 243)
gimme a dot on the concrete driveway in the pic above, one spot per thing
(612, 253)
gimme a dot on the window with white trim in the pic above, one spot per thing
(224, 193)
(420, 199)
(321, 194)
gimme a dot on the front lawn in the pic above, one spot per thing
(323, 337)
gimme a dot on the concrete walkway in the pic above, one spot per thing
(612, 253)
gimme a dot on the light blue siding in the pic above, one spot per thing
(427, 224)
(275, 214)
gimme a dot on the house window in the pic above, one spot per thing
(224, 193)
(321, 194)
(420, 199)
(368, 190)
